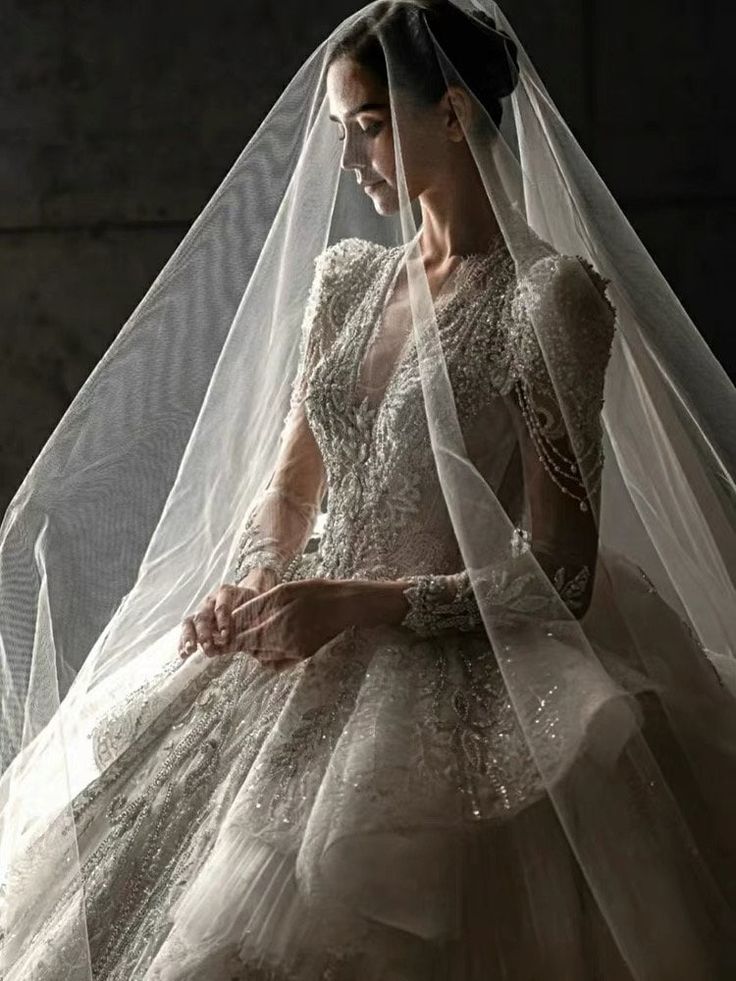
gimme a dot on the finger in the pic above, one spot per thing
(223, 609)
(247, 615)
(261, 638)
(204, 625)
(256, 602)
(248, 640)
(188, 638)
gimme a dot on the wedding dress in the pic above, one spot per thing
(323, 812)
(526, 777)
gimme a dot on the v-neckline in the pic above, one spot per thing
(439, 301)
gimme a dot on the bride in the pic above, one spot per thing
(476, 719)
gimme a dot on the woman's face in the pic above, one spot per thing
(359, 105)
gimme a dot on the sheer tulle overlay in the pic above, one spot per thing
(372, 812)
(525, 774)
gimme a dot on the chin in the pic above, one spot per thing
(386, 203)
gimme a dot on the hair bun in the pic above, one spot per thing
(502, 44)
(485, 55)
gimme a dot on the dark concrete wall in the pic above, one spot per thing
(119, 120)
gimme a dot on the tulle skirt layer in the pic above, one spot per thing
(506, 902)
(373, 814)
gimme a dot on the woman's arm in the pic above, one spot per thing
(283, 515)
(563, 540)
(276, 531)
(279, 526)
(282, 519)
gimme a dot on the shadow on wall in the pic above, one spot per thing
(119, 123)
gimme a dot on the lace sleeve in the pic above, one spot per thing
(280, 522)
(279, 525)
(556, 415)
(448, 602)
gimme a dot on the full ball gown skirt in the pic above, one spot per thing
(323, 823)
(373, 813)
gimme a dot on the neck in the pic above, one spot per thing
(457, 216)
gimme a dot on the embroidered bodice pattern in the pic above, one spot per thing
(385, 517)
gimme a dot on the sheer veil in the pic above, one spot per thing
(133, 512)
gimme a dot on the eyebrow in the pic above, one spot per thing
(363, 107)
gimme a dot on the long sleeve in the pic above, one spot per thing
(560, 331)
(282, 519)
(278, 527)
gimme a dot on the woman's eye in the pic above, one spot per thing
(370, 130)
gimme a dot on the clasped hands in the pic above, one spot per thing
(283, 624)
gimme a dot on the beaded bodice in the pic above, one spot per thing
(525, 346)
(386, 516)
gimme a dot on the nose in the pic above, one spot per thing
(353, 156)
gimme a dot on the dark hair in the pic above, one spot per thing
(484, 57)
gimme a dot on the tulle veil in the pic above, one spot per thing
(132, 512)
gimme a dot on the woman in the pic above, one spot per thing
(461, 738)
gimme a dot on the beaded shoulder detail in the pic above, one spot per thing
(561, 322)
(561, 327)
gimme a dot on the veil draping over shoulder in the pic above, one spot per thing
(612, 623)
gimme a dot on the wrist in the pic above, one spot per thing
(259, 579)
(370, 602)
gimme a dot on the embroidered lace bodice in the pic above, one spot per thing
(386, 517)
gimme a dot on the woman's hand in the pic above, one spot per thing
(292, 621)
(282, 624)
(211, 626)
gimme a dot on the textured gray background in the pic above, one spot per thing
(120, 119)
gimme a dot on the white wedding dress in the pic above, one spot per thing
(373, 812)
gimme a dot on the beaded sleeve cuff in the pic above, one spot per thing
(438, 602)
(260, 557)
(448, 602)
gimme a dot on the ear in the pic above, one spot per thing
(456, 109)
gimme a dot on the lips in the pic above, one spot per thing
(369, 187)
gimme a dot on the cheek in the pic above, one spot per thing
(419, 156)
(384, 161)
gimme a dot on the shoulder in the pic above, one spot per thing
(559, 309)
(343, 272)
(348, 257)
(564, 280)
(568, 288)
